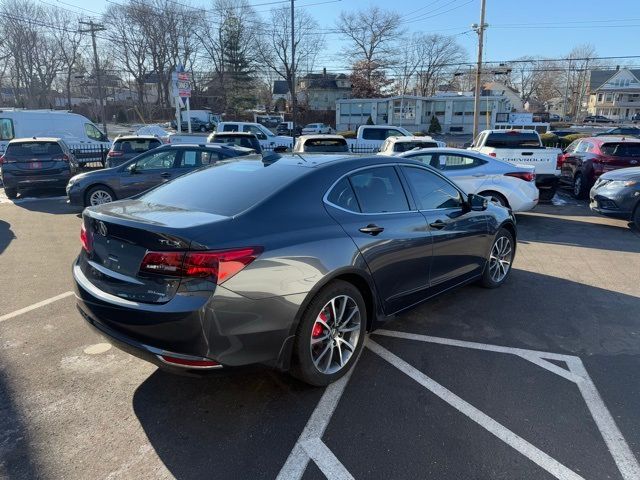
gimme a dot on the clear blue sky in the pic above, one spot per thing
(516, 27)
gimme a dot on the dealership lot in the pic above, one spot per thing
(479, 384)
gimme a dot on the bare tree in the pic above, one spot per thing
(70, 43)
(439, 55)
(275, 45)
(372, 34)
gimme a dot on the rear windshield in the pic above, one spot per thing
(513, 139)
(406, 146)
(135, 146)
(326, 145)
(226, 188)
(34, 149)
(626, 149)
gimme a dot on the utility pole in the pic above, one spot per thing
(293, 74)
(566, 93)
(476, 104)
(93, 28)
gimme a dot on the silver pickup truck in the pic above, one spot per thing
(523, 147)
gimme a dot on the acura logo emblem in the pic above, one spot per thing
(101, 228)
(633, 162)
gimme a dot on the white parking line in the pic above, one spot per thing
(35, 306)
(534, 454)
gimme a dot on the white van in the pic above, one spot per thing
(78, 132)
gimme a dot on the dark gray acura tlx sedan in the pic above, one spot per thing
(288, 264)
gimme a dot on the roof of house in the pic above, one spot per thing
(324, 81)
(280, 87)
(598, 78)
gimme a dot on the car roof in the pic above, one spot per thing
(320, 137)
(414, 138)
(136, 137)
(611, 138)
(234, 134)
(35, 139)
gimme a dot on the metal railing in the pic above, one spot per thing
(89, 154)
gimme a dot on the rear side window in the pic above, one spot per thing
(198, 158)
(342, 195)
(226, 188)
(379, 190)
(230, 128)
(459, 162)
(135, 146)
(622, 149)
(34, 149)
(6, 129)
(322, 145)
(512, 139)
(374, 134)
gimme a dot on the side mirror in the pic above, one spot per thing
(132, 168)
(477, 203)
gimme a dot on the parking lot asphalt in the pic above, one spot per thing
(534, 380)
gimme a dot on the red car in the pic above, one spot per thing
(587, 158)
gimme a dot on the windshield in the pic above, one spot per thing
(135, 146)
(326, 145)
(513, 139)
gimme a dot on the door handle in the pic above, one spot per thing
(438, 224)
(479, 175)
(372, 229)
(165, 175)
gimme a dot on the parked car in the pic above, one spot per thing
(126, 147)
(587, 158)
(240, 139)
(523, 147)
(554, 117)
(316, 128)
(287, 265)
(144, 172)
(617, 194)
(80, 134)
(562, 133)
(398, 144)
(625, 131)
(197, 125)
(36, 162)
(509, 185)
(597, 119)
(369, 138)
(321, 144)
(265, 136)
(286, 128)
(636, 118)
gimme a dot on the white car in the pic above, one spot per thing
(316, 128)
(321, 144)
(510, 185)
(399, 144)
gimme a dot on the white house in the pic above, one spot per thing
(614, 93)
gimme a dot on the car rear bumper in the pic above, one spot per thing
(58, 180)
(546, 181)
(224, 326)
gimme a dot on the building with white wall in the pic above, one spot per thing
(453, 110)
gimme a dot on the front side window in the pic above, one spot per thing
(255, 130)
(431, 191)
(459, 162)
(379, 190)
(157, 161)
(92, 132)
(6, 129)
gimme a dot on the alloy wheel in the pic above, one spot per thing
(577, 185)
(335, 334)
(500, 259)
(99, 197)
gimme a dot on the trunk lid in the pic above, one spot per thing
(121, 235)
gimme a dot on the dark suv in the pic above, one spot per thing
(36, 162)
(127, 147)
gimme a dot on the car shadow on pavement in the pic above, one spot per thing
(6, 235)
(55, 206)
(17, 460)
(239, 425)
(616, 236)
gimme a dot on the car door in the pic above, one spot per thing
(372, 206)
(461, 239)
(147, 171)
(572, 162)
(467, 171)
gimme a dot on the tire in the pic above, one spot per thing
(11, 193)
(580, 188)
(547, 194)
(93, 195)
(495, 197)
(501, 255)
(329, 358)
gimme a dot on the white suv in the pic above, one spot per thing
(316, 128)
(398, 145)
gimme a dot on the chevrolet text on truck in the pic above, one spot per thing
(523, 147)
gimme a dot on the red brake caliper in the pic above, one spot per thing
(317, 328)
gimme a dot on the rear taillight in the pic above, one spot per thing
(86, 238)
(526, 176)
(4, 159)
(493, 154)
(559, 161)
(218, 266)
(64, 158)
(114, 154)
